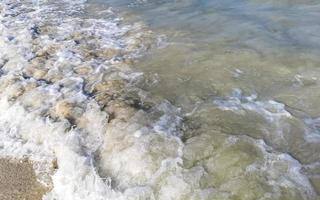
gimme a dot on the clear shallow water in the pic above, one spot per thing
(264, 47)
(226, 106)
(244, 68)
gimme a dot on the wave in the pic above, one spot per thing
(69, 103)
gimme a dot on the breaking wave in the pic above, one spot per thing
(69, 103)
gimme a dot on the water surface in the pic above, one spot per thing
(218, 101)
(247, 68)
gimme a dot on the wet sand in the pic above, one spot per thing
(18, 181)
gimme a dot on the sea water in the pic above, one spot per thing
(168, 100)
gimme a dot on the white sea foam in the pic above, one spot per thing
(271, 110)
(61, 101)
(28, 98)
(313, 129)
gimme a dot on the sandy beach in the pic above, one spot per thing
(18, 181)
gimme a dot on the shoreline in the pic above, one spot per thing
(64, 80)
(70, 102)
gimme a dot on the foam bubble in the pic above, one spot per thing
(66, 105)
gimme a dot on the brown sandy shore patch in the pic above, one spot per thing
(18, 181)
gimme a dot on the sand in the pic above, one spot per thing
(18, 181)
